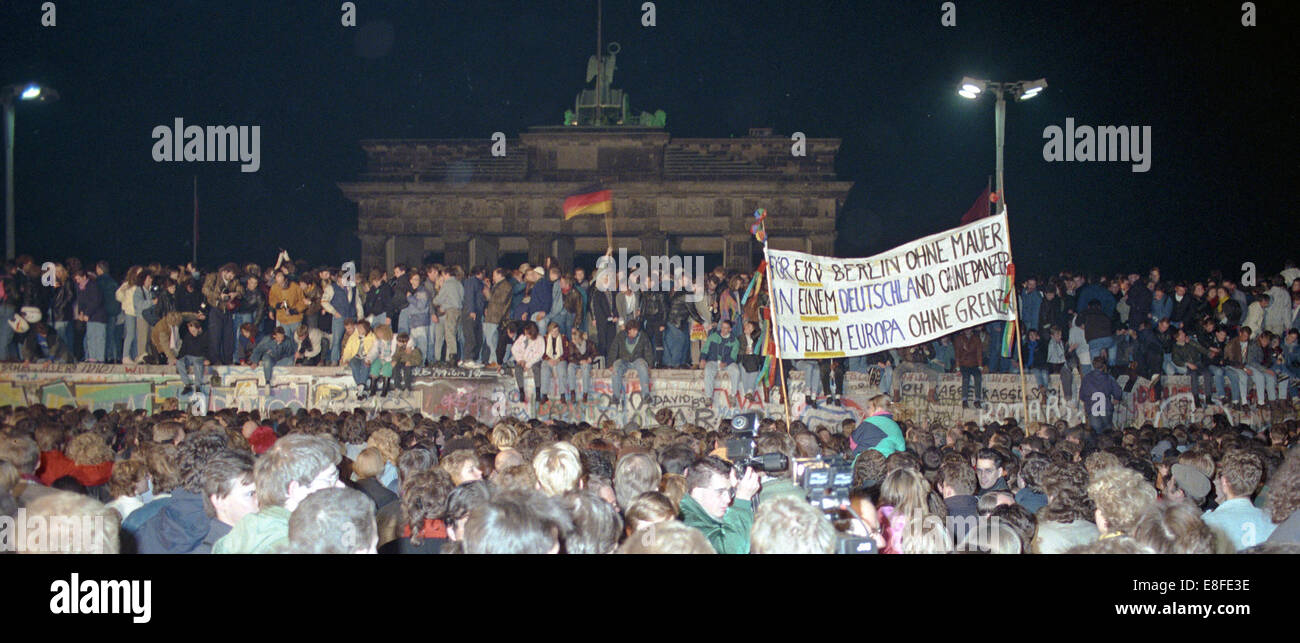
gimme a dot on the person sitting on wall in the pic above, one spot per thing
(630, 349)
(720, 353)
(274, 350)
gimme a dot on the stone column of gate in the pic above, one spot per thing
(539, 247)
(739, 254)
(456, 249)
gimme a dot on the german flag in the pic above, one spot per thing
(597, 202)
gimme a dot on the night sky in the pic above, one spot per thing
(879, 75)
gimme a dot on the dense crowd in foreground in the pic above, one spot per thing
(353, 482)
(1240, 345)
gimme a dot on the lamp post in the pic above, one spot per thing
(971, 88)
(7, 96)
(1023, 90)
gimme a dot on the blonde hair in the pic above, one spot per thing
(455, 461)
(558, 468)
(789, 526)
(1121, 495)
(126, 477)
(670, 537)
(387, 442)
(369, 463)
(649, 508)
(1100, 461)
(907, 491)
(295, 457)
(504, 436)
(384, 333)
(76, 524)
(88, 449)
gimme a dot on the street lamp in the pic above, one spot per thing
(30, 92)
(1022, 90)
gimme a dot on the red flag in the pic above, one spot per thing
(979, 210)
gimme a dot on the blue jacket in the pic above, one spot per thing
(1096, 382)
(418, 308)
(344, 300)
(539, 302)
(516, 296)
(1160, 309)
(1097, 292)
(268, 348)
(108, 292)
(90, 302)
(1030, 304)
(179, 528)
(140, 516)
(474, 299)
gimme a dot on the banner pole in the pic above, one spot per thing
(1024, 387)
(1015, 301)
(776, 339)
(609, 229)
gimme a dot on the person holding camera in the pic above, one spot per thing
(779, 483)
(287, 303)
(720, 506)
(221, 293)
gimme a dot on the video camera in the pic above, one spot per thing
(828, 483)
(740, 447)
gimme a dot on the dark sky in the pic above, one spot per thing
(879, 75)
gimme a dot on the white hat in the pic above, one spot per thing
(18, 324)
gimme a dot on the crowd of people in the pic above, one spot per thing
(1240, 345)
(368, 480)
(399, 483)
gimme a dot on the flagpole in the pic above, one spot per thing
(780, 364)
(609, 228)
(1015, 301)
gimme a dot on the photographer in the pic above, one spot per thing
(777, 484)
(708, 506)
(287, 303)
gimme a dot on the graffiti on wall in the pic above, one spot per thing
(490, 396)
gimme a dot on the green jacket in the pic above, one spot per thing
(1190, 352)
(729, 535)
(257, 533)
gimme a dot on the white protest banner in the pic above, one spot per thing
(829, 307)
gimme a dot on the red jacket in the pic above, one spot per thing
(55, 465)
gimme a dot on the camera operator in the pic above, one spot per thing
(707, 506)
(777, 484)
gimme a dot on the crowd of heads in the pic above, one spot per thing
(459, 485)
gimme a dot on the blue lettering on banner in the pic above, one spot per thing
(789, 339)
(868, 335)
